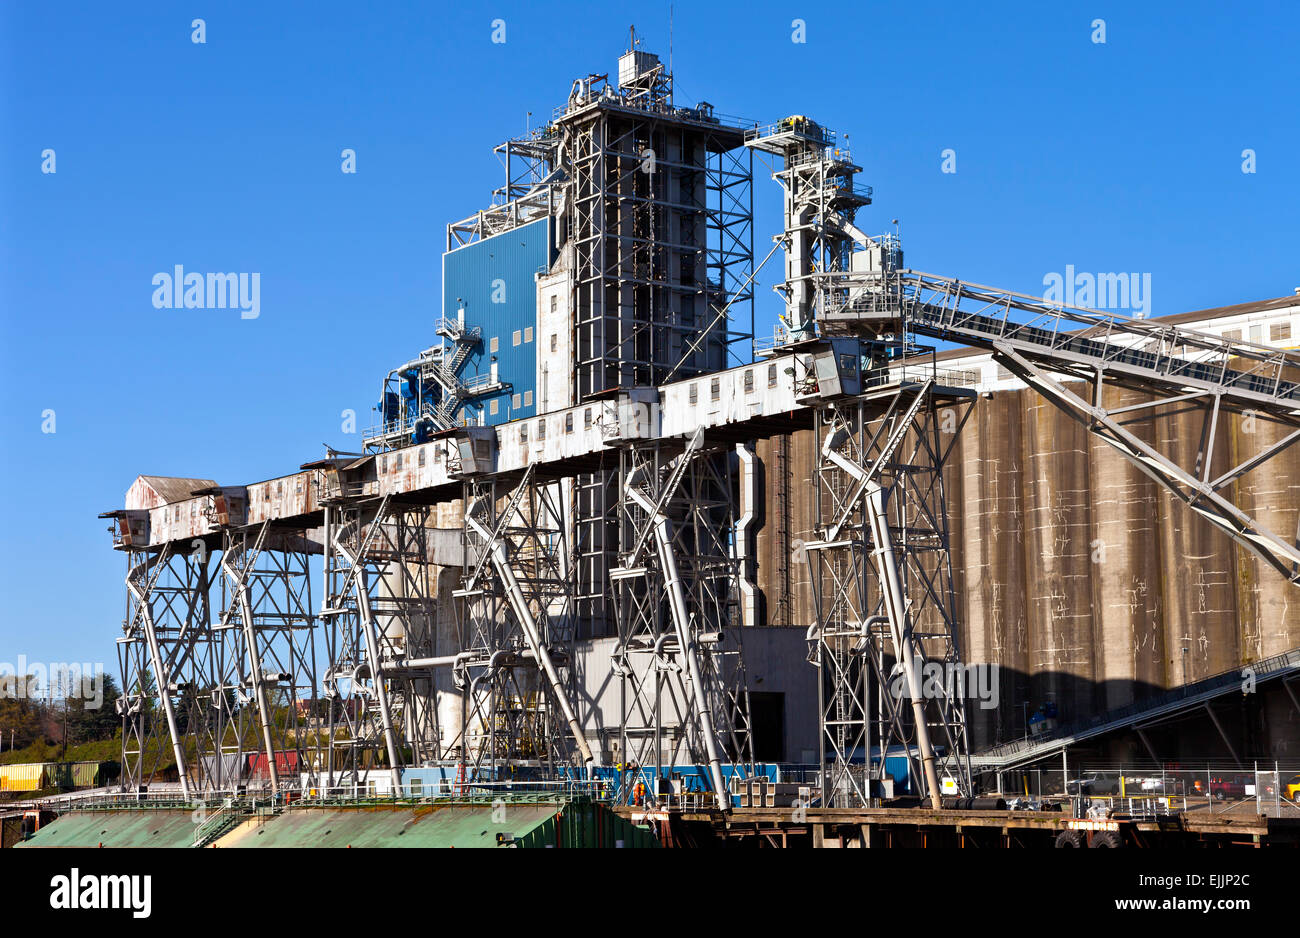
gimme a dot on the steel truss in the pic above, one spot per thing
(684, 696)
(1189, 473)
(213, 693)
(1050, 346)
(381, 608)
(267, 690)
(517, 629)
(166, 657)
(883, 592)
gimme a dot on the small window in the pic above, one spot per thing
(514, 337)
(523, 433)
(528, 334)
(849, 364)
(397, 465)
(420, 459)
(417, 788)
(555, 342)
(494, 345)
(586, 419)
(383, 464)
(749, 381)
(554, 303)
(528, 398)
(517, 401)
(1232, 335)
(492, 406)
(1004, 374)
(1279, 331)
(695, 394)
(279, 489)
(715, 389)
(437, 455)
(541, 430)
(771, 376)
(568, 422)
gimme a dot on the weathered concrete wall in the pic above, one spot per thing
(1082, 578)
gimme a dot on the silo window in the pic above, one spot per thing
(771, 376)
(715, 389)
(528, 334)
(695, 394)
(514, 337)
(397, 466)
(749, 381)
(586, 419)
(493, 406)
(568, 422)
(523, 433)
(541, 430)
(420, 460)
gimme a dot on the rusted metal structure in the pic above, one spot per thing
(654, 498)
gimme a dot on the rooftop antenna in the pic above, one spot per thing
(670, 40)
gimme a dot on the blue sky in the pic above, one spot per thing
(225, 156)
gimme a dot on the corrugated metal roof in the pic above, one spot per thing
(173, 488)
(133, 828)
(414, 826)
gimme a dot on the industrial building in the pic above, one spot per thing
(602, 534)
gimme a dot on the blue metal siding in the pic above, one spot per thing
(495, 281)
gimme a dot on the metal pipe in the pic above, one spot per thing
(681, 622)
(519, 604)
(892, 587)
(161, 677)
(360, 582)
(749, 594)
(254, 664)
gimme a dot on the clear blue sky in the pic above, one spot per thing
(225, 157)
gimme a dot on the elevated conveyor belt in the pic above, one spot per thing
(1073, 340)
(1046, 345)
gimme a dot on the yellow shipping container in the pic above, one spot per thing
(29, 776)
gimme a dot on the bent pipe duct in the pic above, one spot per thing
(681, 622)
(892, 587)
(362, 590)
(519, 604)
(749, 594)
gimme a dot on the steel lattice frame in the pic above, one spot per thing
(268, 664)
(166, 656)
(684, 694)
(213, 691)
(661, 246)
(381, 607)
(891, 442)
(517, 629)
